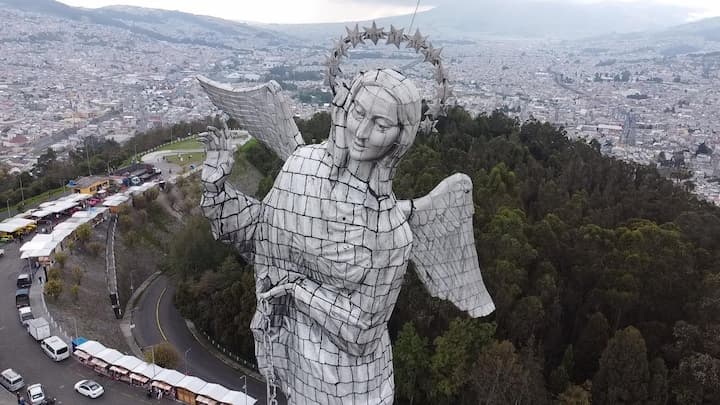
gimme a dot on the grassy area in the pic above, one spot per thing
(186, 159)
(187, 144)
(33, 201)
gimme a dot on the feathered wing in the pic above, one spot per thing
(262, 110)
(444, 246)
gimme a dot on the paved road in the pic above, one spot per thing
(19, 351)
(156, 320)
(169, 170)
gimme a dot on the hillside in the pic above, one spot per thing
(151, 24)
(604, 275)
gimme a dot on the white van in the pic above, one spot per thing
(11, 380)
(55, 348)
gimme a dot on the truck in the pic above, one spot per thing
(38, 328)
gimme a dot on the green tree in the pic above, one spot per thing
(623, 376)
(53, 288)
(411, 360)
(61, 259)
(575, 395)
(55, 273)
(589, 346)
(501, 376)
(164, 355)
(658, 388)
(455, 352)
(83, 233)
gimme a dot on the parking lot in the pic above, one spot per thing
(19, 351)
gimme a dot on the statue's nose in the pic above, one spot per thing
(364, 129)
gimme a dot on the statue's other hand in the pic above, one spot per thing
(219, 159)
(277, 291)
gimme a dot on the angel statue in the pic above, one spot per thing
(330, 242)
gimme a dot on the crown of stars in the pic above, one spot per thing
(395, 36)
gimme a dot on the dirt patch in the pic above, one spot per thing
(91, 311)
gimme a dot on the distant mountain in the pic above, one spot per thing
(462, 19)
(169, 26)
(708, 29)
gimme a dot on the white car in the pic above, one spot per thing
(89, 388)
(35, 394)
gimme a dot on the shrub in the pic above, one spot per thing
(77, 275)
(54, 274)
(74, 292)
(151, 194)
(53, 288)
(94, 248)
(83, 233)
(61, 259)
(164, 355)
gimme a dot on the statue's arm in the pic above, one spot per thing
(352, 319)
(233, 215)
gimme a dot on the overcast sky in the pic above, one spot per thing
(306, 11)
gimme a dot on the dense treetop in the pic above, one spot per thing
(604, 274)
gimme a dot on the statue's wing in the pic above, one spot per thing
(444, 246)
(262, 110)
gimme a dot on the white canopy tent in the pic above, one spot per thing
(238, 398)
(192, 384)
(215, 392)
(14, 224)
(170, 377)
(40, 245)
(109, 356)
(91, 347)
(115, 200)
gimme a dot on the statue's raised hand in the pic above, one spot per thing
(219, 159)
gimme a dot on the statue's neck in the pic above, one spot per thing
(362, 170)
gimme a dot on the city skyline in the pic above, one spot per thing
(322, 11)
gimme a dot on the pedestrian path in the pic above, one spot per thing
(7, 398)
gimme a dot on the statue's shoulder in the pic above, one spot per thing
(308, 160)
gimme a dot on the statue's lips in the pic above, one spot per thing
(358, 145)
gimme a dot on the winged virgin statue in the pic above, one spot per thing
(330, 243)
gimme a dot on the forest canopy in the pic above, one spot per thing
(603, 272)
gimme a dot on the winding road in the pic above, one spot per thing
(157, 320)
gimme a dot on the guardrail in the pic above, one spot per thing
(110, 269)
(245, 363)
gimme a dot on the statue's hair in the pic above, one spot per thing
(404, 92)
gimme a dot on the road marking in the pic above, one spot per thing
(157, 314)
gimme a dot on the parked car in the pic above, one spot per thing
(89, 388)
(25, 314)
(55, 348)
(11, 380)
(35, 394)
(22, 297)
(24, 281)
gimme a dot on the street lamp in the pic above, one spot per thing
(186, 363)
(22, 194)
(244, 377)
(152, 353)
(8, 204)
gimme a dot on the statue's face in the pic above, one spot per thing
(372, 124)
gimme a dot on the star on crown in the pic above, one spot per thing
(374, 33)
